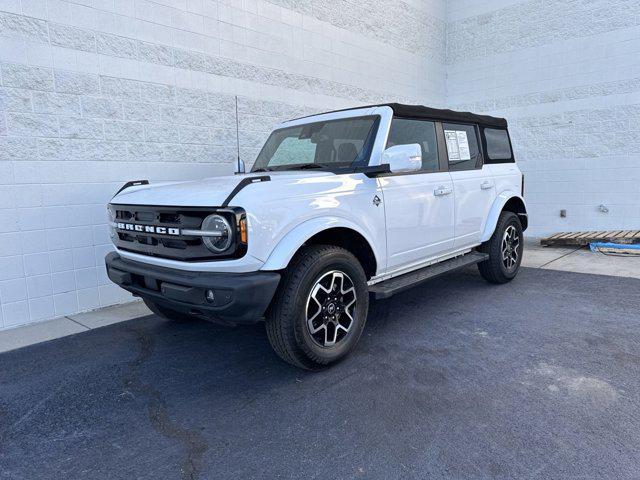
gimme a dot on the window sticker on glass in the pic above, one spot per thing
(457, 145)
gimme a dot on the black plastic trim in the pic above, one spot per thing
(373, 171)
(240, 297)
(408, 280)
(243, 183)
(133, 183)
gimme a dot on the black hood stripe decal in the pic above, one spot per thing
(243, 183)
(134, 183)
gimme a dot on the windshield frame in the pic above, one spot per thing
(362, 160)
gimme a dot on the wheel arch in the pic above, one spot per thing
(338, 232)
(506, 201)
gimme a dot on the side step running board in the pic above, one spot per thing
(403, 282)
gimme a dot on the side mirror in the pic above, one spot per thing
(403, 158)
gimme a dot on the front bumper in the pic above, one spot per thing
(237, 297)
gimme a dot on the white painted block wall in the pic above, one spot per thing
(567, 77)
(94, 93)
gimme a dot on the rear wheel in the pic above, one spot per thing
(505, 248)
(320, 308)
(165, 312)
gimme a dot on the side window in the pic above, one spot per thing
(462, 146)
(498, 145)
(405, 131)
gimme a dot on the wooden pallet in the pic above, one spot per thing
(632, 252)
(585, 238)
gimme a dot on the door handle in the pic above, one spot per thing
(486, 185)
(441, 191)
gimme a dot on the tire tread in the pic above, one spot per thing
(491, 269)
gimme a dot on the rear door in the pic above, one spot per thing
(418, 205)
(473, 185)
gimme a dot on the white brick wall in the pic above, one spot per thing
(97, 92)
(567, 77)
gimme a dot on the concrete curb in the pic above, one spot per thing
(23, 336)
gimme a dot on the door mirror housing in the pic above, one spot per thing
(403, 158)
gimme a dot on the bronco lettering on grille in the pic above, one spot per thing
(148, 228)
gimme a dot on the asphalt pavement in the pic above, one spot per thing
(457, 378)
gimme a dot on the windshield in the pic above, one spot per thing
(339, 143)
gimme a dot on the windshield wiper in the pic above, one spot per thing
(306, 166)
(258, 170)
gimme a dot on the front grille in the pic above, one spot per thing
(176, 247)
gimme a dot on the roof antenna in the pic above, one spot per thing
(241, 167)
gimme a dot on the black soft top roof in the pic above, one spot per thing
(420, 111)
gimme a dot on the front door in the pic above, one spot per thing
(419, 206)
(473, 184)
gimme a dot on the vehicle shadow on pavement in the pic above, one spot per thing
(455, 378)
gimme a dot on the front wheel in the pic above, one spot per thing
(505, 248)
(320, 309)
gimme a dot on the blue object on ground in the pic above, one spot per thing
(594, 246)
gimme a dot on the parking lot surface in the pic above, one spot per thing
(457, 378)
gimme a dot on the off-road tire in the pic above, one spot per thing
(286, 318)
(494, 269)
(167, 313)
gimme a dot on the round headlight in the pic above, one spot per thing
(216, 233)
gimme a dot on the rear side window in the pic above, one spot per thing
(498, 145)
(406, 131)
(462, 146)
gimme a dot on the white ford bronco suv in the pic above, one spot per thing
(338, 207)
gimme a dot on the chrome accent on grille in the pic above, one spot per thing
(188, 232)
(202, 233)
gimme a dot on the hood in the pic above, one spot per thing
(208, 192)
